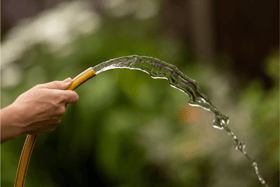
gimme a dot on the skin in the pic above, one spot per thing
(37, 110)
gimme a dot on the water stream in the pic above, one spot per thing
(158, 69)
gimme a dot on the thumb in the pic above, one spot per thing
(61, 85)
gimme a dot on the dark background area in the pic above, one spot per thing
(244, 31)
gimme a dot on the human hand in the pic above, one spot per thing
(42, 106)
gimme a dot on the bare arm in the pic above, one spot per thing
(10, 123)
(37, 110)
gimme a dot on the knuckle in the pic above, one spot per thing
(76, 97)
(48, 131)
(56, 106)
(61, 110)
(58, 121)
(56, 83)
(53, 127)
(38, 86)
(72, 97)
(61, 98)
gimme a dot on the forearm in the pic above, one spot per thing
(10, 123)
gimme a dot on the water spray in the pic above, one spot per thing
(157, 69)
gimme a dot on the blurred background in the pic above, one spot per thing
(129, 129)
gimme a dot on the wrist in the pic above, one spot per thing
(11, 121)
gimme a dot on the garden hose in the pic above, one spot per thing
(30, 139)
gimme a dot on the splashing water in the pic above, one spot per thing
(158, 69)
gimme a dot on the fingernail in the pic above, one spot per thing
(68, 80)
